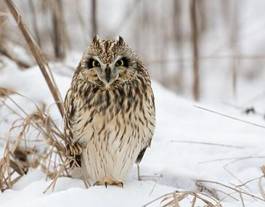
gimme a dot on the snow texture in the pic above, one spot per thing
(189, 144)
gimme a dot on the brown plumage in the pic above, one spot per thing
(110, 111)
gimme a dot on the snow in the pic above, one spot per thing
(189, 144)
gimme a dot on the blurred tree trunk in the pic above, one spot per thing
(234, 39)
(94, 23)
(225, 9)
(195, 51)
(162, 46)
(81, 21)
(59, 32)
(178, 34)
(230, 16)
(137, 35)
(34, 21)
(203, 13)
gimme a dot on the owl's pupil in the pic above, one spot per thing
(92, 63)
(122, 62)
(95, 63)
(119, 63)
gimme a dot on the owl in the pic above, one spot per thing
(109, 112)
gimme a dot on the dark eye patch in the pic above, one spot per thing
(92, 63)
(122, 62)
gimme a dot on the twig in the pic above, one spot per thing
(158, 198)
(241, 199)
(234, 159)
(208, 143)
(230, 117)
(249, 181)
(227, 195)
(244, 109)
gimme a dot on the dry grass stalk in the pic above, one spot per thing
(207, 196)
(176, 199)
(36, 52)
(230, 117)
(4, 92)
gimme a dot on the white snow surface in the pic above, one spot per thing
(189, 144)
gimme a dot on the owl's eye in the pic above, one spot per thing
(92, 63)
(122, 62)
(95, 63)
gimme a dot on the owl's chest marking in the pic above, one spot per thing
(112, 112)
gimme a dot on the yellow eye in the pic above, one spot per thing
(92, 63)
(120, 62)
(124, 61)
(95, 63)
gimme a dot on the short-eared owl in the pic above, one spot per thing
(110, 111)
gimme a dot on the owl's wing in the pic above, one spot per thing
(70, 108)
(151, 112)
(141, 155)
(69, 119)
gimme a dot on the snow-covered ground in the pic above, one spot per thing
(189, 144)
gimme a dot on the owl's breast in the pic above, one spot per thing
(115, 115)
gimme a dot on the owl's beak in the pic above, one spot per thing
(108, 74)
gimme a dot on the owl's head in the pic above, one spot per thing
(109, 61)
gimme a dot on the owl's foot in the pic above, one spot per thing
(109, 181)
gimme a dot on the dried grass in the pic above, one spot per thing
(21, 153)
(206, 196)
(235, 192)
(212, 194)
(176, 199)
(15, 164)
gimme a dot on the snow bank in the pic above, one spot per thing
(189, 144)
